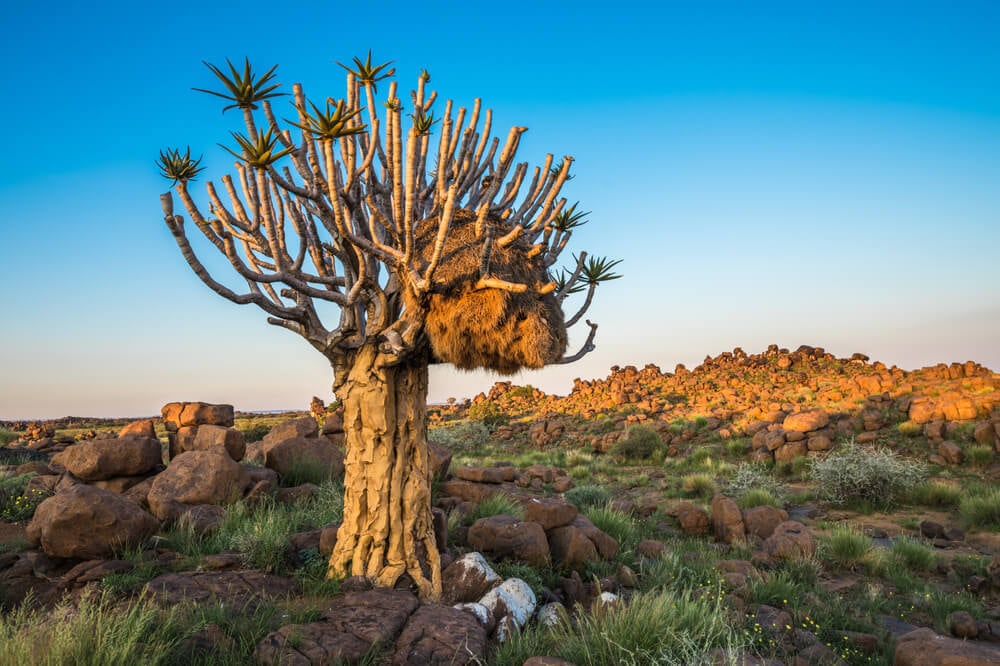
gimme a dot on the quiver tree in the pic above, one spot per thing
(430, 248)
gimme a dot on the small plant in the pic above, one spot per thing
(17, 503)
(307, 470)
(7, 436)
(585, 497)
(255, 433)
(846, 546)
(915, 555)
(738, 446)
(981, 510)
(874, 475)
(757, 497)
(640, 444)
(933, 494)
(778, 589)
(979, 456)
(699, 485)
(613, 522)
(579, 473)
(495, 505)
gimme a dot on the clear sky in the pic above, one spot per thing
(770, 172)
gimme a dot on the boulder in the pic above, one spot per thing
(951, 452)
(467, 579)
(550, 512)
(727, 520)
(89, 523)
(790, 540)
(923, 647)
(760, 521)
(506, 536)
(606, 545)
(100, 459)
(204, 437)
(511, 603)
(440, 636)
(693, 519)
(288, 456)
(486, 474)
(304, 426)
(139, 429)
(439, 458)
(790, 451)
(814, 419)
(196, 477)
(178, 414)
(231, 587)
(570, 547)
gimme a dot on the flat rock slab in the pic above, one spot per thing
(205, 586)
(351, 627)
(440, 635)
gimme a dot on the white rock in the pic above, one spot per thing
(551, 614)
(512, 598)
(608, 599)
(482, 613)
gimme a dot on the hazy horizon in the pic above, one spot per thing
(770, 173)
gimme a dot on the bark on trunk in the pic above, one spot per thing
(388, 528)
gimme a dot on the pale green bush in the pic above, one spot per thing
(875, 475)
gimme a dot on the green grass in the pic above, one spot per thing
(7, 436)
(662, 627)
(699, 485)
(585, 497)
(779, 589)
(306, 470)
(616, 524)
(934, 494)
(16, 503)
(980, 509)
(260, 532)
(979, 456)
(757, 497)
(846, 546)
(914, 554)
(495, 505)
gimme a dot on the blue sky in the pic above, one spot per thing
(768, 172)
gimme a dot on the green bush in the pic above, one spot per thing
(751, 477)
(489, 414)
(613, 522)
(16, 503)
(587, 496)
(853, 473)
(979, 456)
(981, 509)
(7, 436)
(465, 436)
(777, 589)
(255, 433)
(639, 444)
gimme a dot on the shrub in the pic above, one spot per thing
(466, 436)
(16, 503)
(7, 436)
(585, 497)
(738, 446)
(981, 510)
(489, 414)
(870, 475)
(846, 545)
(640, 444)
(753, 476)
(778, 589)
(255, 432)
(701, 485)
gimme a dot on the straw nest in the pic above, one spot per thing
(488, 328)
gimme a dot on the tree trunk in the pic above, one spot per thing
(388, 528)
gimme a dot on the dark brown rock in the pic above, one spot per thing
(101, 459)
(227, 586)
(790, 540)
(467, 579)
(89, 523)
(550, 512)
(693, 519)
(727, 520)
(506, 536)
(760, 521)
(571, 548)
(923, 647)
(286, 456)
(205, 437)
(440, 635)
(196, 477)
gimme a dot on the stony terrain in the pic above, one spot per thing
(560, 519)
